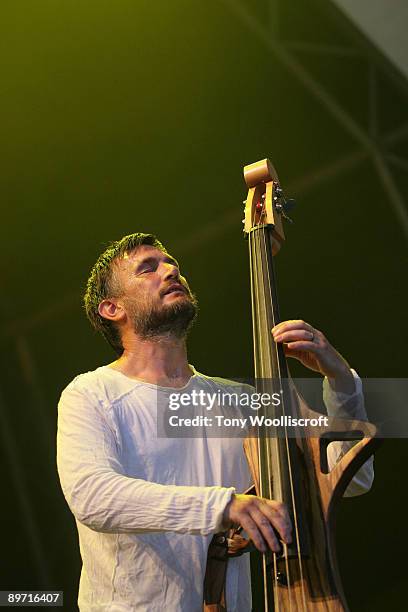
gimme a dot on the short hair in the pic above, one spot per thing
(101, 285)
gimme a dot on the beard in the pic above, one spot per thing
(151, 321)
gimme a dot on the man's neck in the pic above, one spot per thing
(162, 361)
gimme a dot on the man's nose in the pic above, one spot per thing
(171, 271)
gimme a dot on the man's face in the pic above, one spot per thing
(156, 298)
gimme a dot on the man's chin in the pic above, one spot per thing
(174, 319)
(179, 311)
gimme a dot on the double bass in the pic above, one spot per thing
(287, 467)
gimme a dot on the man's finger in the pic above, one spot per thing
(267, 529)
(279, 521)
(304, 345)
(255, 535)
(291, 324)
(296, 334)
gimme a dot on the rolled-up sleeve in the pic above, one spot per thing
(352, 407)
(104, 499)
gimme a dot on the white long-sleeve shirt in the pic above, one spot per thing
(146, 507)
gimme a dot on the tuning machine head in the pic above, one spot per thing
(283, 205)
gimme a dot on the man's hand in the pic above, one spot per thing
(313, 350)
(259, 517)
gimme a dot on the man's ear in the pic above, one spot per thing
(112, 310)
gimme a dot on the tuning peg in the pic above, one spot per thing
(278, 192)
(285, 216)
(281, 208)
(289, 205)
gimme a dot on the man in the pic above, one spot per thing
(146, 507)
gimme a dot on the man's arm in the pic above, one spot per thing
(351, 406)
(342, 389)
(103, 498)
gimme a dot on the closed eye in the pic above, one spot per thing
(150, 264)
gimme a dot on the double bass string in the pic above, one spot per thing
(295, 519)
(260, 308)
(259, 338)
(275, 441)
(261, 255)
(265, 441)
